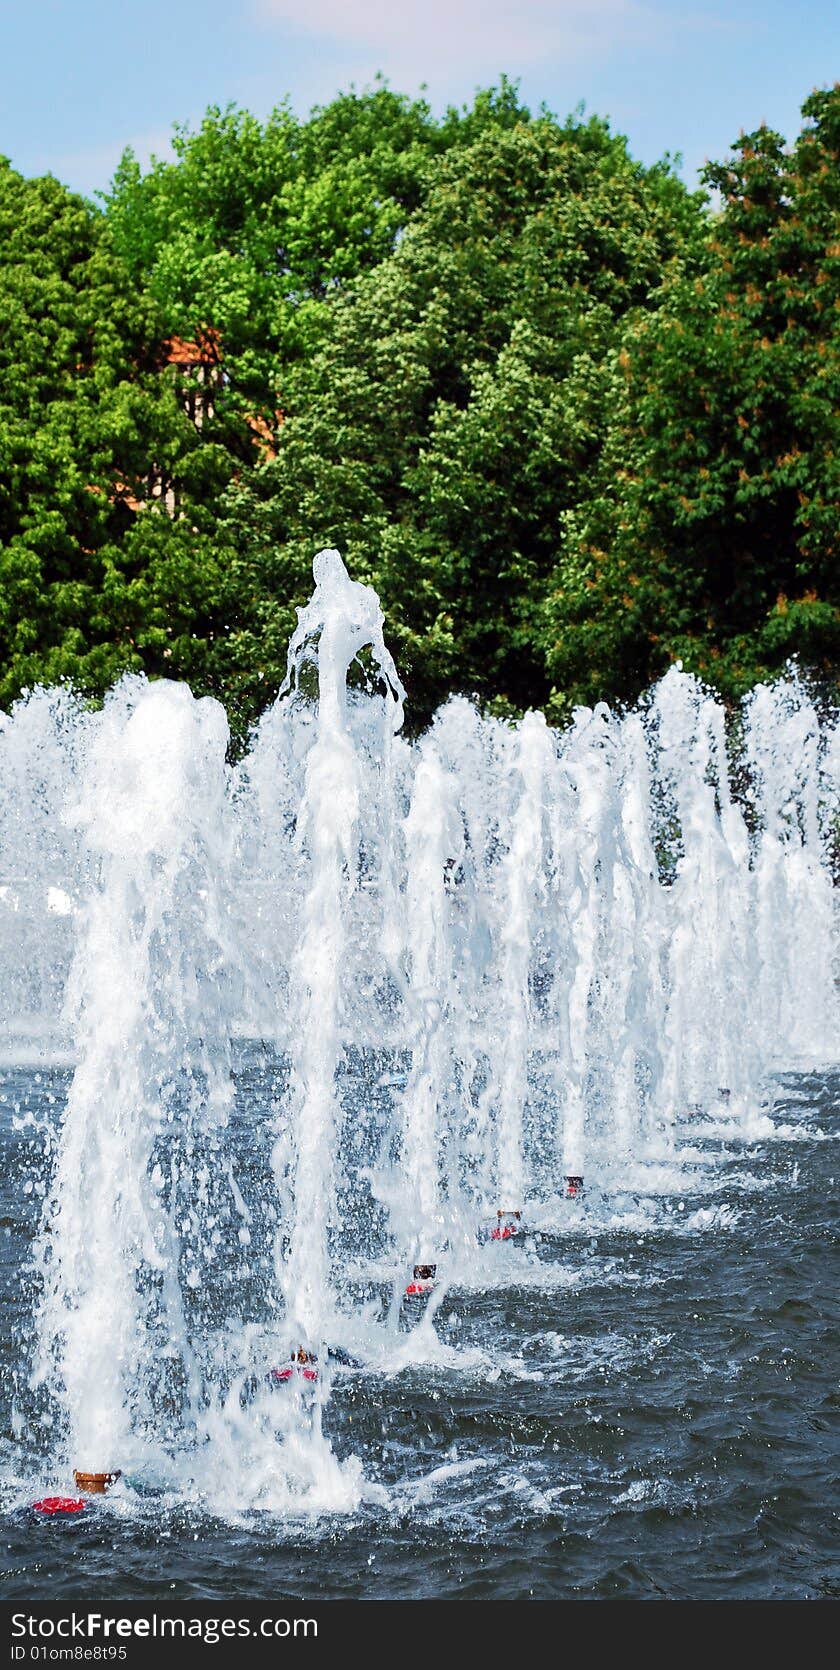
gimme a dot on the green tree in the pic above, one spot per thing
(711, 531)
(456, 402)
(89, 587)
(570, 423)
(255, 226)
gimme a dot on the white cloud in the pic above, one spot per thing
(445, 38)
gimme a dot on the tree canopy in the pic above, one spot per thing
(571, 419)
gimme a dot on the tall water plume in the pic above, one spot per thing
(469, 966)
(523, 892)
(710, 1042)
(434, 843)
(342, 620)
(793, 790)
(150, 813)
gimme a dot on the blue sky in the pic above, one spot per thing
(80, 79)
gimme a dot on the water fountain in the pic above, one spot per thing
(433, 837)
(342, 620)
(150, 1049)
(472, 970)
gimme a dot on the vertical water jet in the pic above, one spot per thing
(342, 620)
(150, 812)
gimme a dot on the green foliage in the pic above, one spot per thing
(454, 402)
(712, 530)
(569, 420)
(88, 588)
(255, 227)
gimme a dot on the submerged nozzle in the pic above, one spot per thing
(96, 1484)
(422, 1280)
(508, 1224)
(303, 1365)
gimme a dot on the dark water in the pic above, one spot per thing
(645, 1405)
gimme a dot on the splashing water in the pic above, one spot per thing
(149, 1034)
(433, 846)
(341, 621)
(472, 967)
